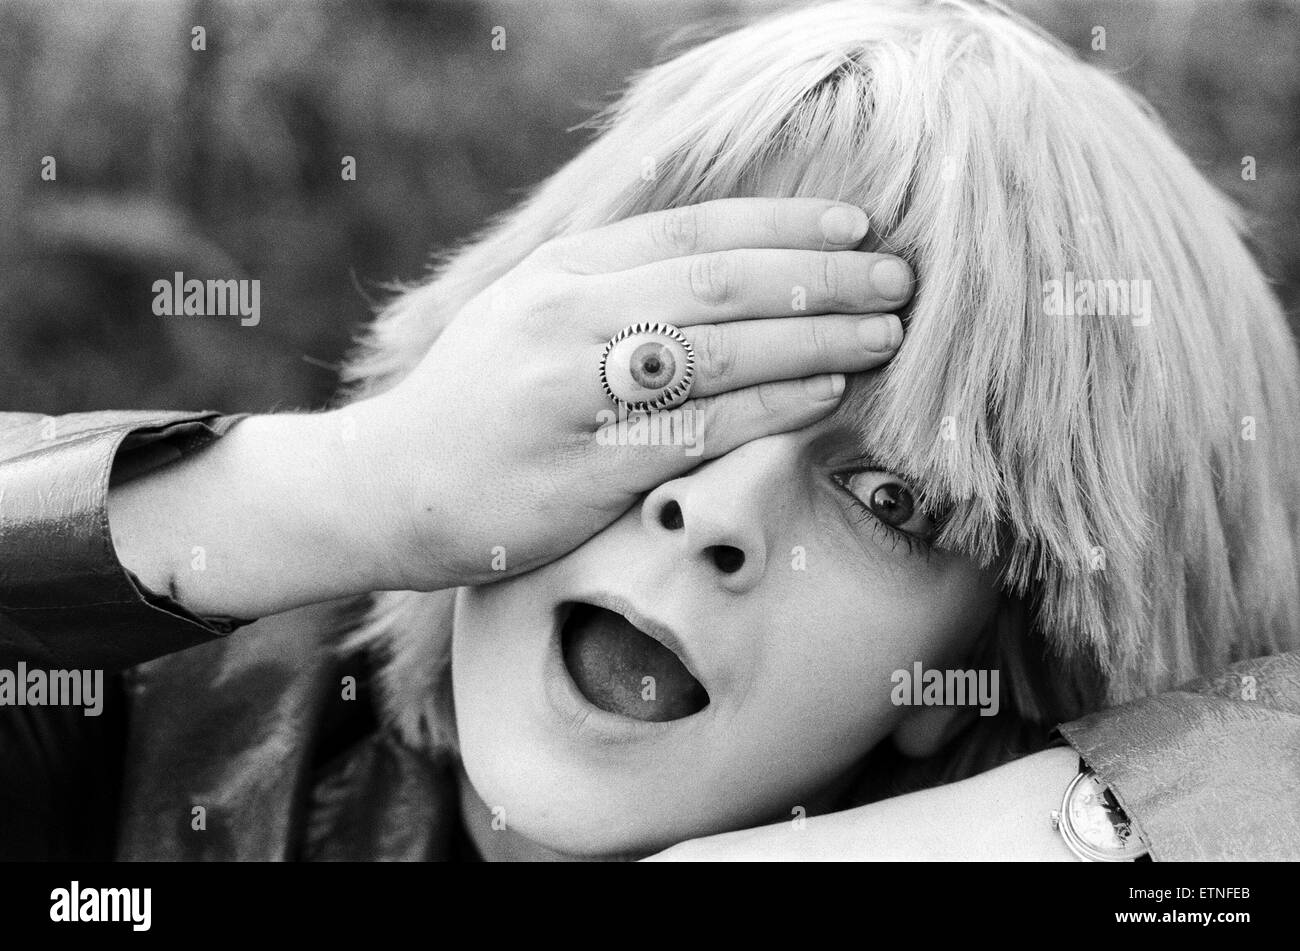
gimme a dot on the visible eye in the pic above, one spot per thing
(653, 365)
(889, 500)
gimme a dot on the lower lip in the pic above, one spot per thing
(589, 722)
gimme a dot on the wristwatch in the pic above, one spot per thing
(1093, 824)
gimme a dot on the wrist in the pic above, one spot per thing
(264, 519)
(410, 511)
(324, 498)
(1000, 814)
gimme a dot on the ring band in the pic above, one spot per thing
(648, 366)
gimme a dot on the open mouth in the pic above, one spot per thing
(621, 669)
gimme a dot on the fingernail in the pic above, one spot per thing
(844, 224)
(892, 278)
(825, 387)
(881, 334)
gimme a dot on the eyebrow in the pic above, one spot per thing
(851, 414)
(851, 417)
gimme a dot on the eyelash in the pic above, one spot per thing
(888, 534)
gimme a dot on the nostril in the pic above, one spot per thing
(728, 559)
(670, 516)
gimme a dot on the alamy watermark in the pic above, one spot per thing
(946, 688)
(194, 298)
(35, 687)
(1105, 297)
(683, 427)
(76, 903)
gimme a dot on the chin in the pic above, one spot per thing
(580, 826)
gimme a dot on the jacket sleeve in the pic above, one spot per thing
(65, 599)
(1210, 771)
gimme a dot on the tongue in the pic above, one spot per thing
(621, 670)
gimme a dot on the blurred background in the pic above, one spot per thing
(226, 163)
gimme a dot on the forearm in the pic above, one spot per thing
(267, 518)
(1003, 814)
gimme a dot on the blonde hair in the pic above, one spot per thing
(1144, 532)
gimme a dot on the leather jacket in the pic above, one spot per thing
(221, 745)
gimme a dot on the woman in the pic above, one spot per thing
(644, 646)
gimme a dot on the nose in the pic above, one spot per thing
(727, 513)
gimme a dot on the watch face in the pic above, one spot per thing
(1098, 823)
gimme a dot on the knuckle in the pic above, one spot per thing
(768, 398)
(719, 360)
(711, 278)
(722, 418)
(549, 255)
(830, 277)
(773, 223)
(821, 343)
(555, 301)
(680, 231)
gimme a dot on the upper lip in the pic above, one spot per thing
(658, 630)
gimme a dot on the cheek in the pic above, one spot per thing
(828, 675)
(496, 647)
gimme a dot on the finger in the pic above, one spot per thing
(725, 224)
(713, 426)
(745, 353)
(739, 285)
(734, 418)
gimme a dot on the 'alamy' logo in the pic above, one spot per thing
(36, 687)
(1104, 297)
(193, 298)
(946, 688)
(132, 905)
(683, 426)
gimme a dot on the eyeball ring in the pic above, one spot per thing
(648, 367)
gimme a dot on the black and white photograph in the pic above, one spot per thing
(667, 431)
